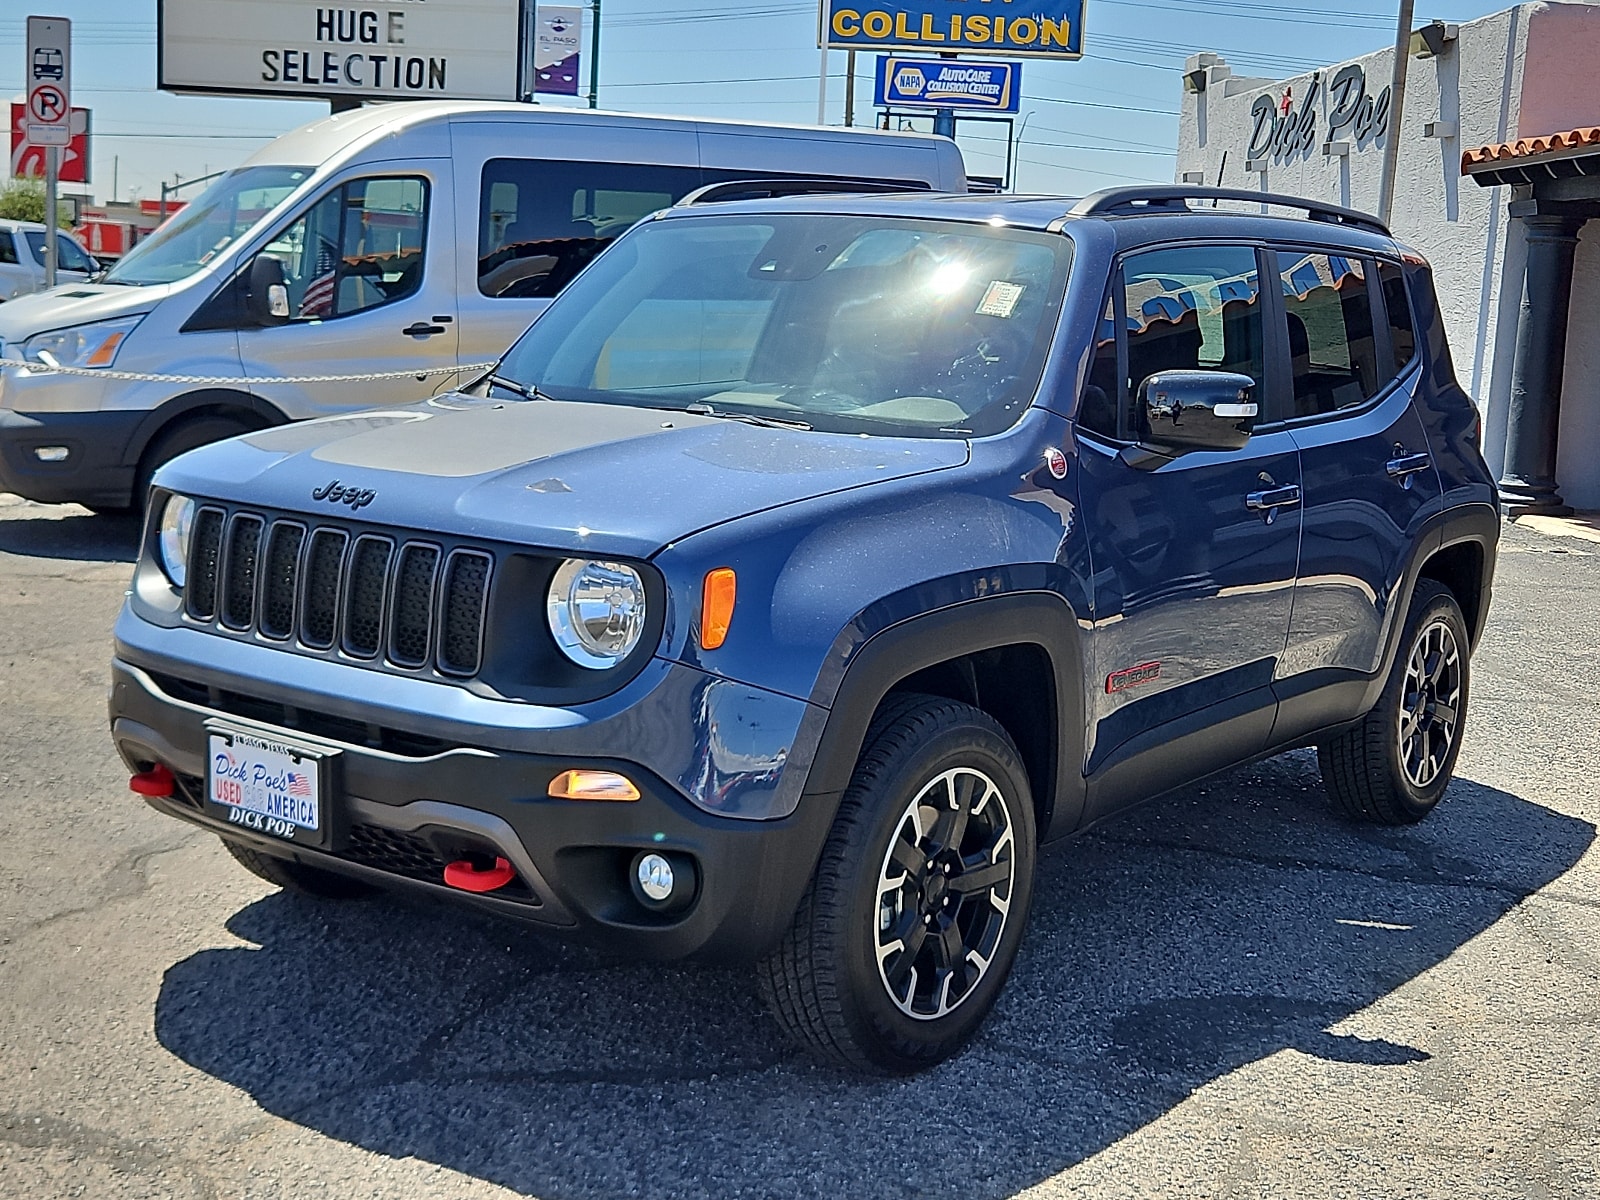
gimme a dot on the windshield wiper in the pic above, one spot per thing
(511, 385)
(705, 410)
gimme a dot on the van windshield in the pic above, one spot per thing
(844, 323)
(207, 225)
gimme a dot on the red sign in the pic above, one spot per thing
(28, 161)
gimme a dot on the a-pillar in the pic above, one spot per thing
(1528, 485)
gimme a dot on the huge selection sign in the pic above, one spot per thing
(27, 160)
(945, 83)
(391, 49)
(48, 104)
(1016, 29)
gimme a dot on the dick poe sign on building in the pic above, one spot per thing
(381, 49)
(1014, 28)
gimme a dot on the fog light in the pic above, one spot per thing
(654, 874)
(51, 453)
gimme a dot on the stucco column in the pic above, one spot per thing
(1534, 412)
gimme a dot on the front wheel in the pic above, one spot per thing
(908, 929)
(1393, 767)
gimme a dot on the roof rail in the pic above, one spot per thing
(766, 189)
(1156, 198)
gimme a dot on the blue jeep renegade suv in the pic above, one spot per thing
(811, 562)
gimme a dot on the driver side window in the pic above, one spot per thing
(358, 247)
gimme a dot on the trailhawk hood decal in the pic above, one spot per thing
(587, 477)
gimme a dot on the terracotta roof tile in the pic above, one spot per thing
(1572, 139)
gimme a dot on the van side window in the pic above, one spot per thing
(8, 248)
(1192, 308)
(1402, 333)
(1333, 354)
(541, 222)
(359, 247)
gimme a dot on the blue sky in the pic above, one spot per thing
(1107, 119)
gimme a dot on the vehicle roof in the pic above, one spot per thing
(26, 226)
(341, 133)
(1045, 213)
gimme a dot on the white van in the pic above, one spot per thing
(407, 237)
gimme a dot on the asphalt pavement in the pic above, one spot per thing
(1228, 993)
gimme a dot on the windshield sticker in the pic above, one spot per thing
(1000, 300)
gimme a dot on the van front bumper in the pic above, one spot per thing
(92, 471)
(397, 818)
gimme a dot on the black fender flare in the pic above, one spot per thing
(210, 399)
(1038, 618)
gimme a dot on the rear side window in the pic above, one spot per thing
(1333, 352)
(1397, 304)
(540, 221)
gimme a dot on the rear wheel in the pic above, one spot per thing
(911, 922)
(297, 877)
(1393, 767)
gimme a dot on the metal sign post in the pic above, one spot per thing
(48, 72)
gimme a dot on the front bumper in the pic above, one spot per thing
(400, 810)
(94, 470)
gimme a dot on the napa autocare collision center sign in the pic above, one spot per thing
(1014, 28)
(389, 49)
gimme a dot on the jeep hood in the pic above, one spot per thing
(600, 478)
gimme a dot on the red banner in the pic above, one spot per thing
(28, 161)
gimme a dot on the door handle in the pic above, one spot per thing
(1407, 464)
(1273, 498)
(421, 329)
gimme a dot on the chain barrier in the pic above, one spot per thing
(240, 380)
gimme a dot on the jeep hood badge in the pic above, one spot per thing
(335, 493)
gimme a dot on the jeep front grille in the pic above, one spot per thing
(323, 586)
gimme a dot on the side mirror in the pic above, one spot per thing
(266, 294)
(1198, 410)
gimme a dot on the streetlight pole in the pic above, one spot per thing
(594, 55)
(1397, 109)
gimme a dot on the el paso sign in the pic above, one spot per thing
(1017, 29)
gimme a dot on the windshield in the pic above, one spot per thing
(208, 225)
(845, 323)
(69, 255)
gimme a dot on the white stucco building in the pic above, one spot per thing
(1472, 103)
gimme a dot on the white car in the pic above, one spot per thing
(22, 259)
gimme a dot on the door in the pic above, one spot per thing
(1194, 557)
(370, 274)
(1369, 484)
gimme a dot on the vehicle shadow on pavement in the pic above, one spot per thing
(76, 535)
(1166, 949)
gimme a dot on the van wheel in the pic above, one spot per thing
(180, 437)
(911, 922)
(1393, 767)
(297, 877)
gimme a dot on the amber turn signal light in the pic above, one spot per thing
(592, 785)
(716, 607)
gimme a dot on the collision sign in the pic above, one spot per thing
(392, 49)
(1017, 29)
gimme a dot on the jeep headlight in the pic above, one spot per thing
(80, 345)
(596, 611)
(172, 541)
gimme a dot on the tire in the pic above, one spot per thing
(183, 435)
(297, 877)
(1393, 767)
(902, 1009)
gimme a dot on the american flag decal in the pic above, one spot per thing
(299, 785)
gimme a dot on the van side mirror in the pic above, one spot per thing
(267, 294)
(1198, 410)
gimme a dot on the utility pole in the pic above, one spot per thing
(594, 55)
(1397, 109)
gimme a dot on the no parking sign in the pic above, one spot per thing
(48, 72)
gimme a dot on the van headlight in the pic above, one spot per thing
(80, 345)
(596, 611)
(172, 541)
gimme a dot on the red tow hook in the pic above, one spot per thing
(157, 781)
(468, 878)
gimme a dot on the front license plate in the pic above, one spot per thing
(267, 786)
